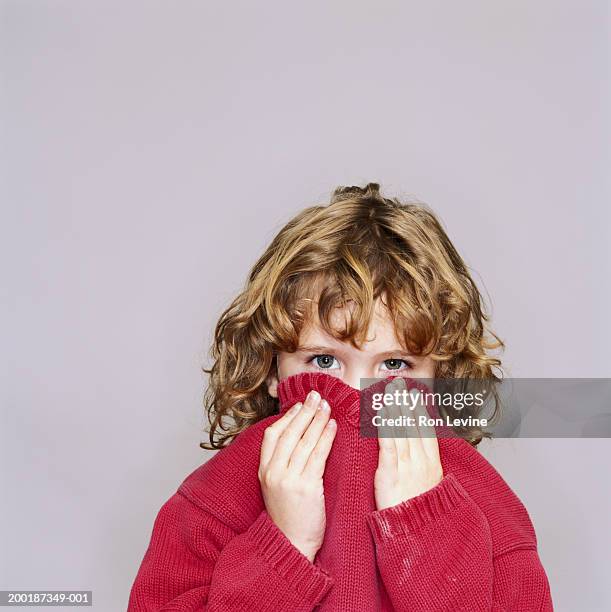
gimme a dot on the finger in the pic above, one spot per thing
(416, 441)
(387, 449)
(315, 466)
(397, 411)
(428, 434)
(387, 455)
(272, 433)
(289, 438)
(306, 445)
(425, 428)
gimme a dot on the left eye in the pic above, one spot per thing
(395, 364)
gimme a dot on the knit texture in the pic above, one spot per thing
(466, 544)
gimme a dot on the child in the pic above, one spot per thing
(299, 511)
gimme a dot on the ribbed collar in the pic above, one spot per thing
(344, 400)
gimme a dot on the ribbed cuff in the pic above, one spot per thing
(308, 579)
(415, 513)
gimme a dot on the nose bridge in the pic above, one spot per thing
(355, 373)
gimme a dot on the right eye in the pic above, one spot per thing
(325, 362)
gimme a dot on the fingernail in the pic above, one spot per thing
(324, 405)
(296, 407)
(314, 396)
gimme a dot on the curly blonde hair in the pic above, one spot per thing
(359, 247)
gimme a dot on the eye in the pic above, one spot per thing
(324, 362)
(395, 364)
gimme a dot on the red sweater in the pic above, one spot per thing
(466, 544)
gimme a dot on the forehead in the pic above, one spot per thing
(380, 332)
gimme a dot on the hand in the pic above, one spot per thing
(407, 466)
(293, 458)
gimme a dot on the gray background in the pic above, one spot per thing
(150, 151)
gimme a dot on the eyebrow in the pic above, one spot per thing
(311, 348)
(327, 349)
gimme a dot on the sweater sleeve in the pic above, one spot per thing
(194, 562)
(434, 552)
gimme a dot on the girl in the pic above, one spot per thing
(300, 511)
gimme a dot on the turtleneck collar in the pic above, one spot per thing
(344, 400)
